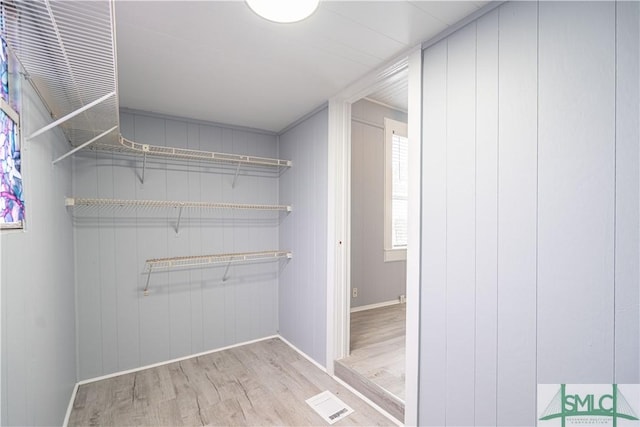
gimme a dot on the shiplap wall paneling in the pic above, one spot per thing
(107, 270)
(199, 341)
(178, 244)
(517, 186)
(433, 327)
(302, 284)
(125, 180)
(556, 208)
(153, 242)
(186, 311)
(627, 220)
(38, 294)
(461, 255)
(87, 267)
(218, 298)
(486, 237)
(576, 192)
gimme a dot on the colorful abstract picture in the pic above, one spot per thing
(11, 197)
(4, 64)
(11, 200)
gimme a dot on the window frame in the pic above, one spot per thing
(391, 127)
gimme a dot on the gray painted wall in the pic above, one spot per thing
(530, 209)
(38, 297)
(187, 311)
(377, 281)
(303, 285)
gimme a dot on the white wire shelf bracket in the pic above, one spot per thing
(168, 204)
(204, 260)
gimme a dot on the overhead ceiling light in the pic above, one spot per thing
(284, 11)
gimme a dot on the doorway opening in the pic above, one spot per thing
(356, 115)
(378, 242)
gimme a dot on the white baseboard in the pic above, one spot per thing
(303, 354)
(179, 359)
(342, 383)
(376, 305)
(70, 406)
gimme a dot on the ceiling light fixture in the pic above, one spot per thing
(284, 11)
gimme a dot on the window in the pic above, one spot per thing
(11, 195)
(396, 191)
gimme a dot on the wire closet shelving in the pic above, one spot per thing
(205, 260)
(180, 206)
(68, 52)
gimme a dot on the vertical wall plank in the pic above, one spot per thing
(194, 192)
(517, 186)
(178, 244)
(627, 277)
(88, 273)
(125, 181)
(461, 261)
(486, 219)
(39, 357)
(576, 197)
(214, 241)
(152, 243)
(107, 266)
(433, 328)
(302, 284)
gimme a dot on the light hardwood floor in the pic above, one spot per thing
(264, 383)
(376, 365)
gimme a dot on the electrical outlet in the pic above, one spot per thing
(354, 292)
(403, 299)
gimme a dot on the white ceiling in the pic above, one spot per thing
(218, 61)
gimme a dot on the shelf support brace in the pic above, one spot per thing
(235, 178)
(70, 115)
(144, 166)
(224, 276)
(146, 287)
(179, 218)
(80, 147)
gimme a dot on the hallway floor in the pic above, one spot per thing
(378, 356)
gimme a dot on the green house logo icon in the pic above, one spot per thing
(612, 405)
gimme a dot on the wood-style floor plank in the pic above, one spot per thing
(260, 384)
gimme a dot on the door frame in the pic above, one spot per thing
(339, 217)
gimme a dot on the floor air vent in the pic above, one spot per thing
(329, 407)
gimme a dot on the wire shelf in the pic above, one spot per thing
(204, 260)
(185, 153)
(77, 201)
